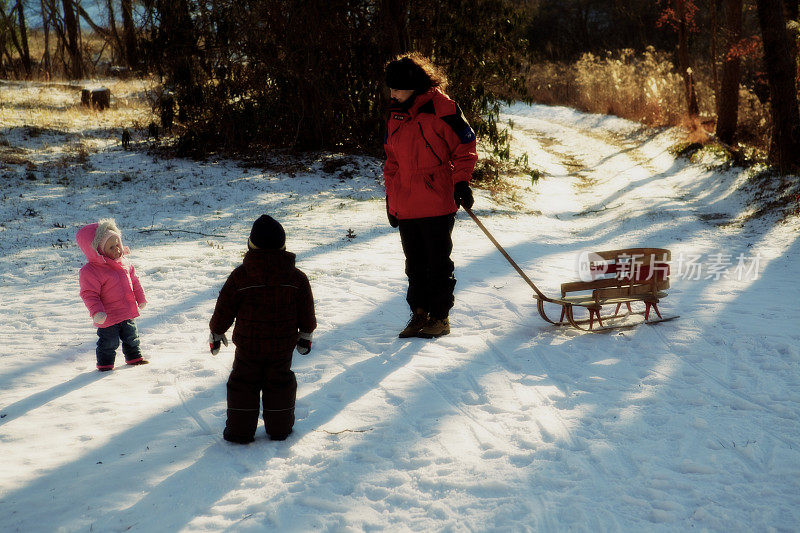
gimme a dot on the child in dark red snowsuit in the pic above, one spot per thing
(271, 301)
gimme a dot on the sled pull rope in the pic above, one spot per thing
(508, 257)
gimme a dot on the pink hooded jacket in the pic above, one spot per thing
(107, 285)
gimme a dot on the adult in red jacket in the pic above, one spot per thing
(430, 156)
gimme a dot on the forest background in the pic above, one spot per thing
(258, 76)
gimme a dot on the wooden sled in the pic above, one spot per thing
(619, 277)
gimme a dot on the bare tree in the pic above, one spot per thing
(112, 28)
(23, 37)
(176, 44)
(714, 33)
(785, 143)
(680, 16)
(8, 32)
(72, 40)
(394, 17)
(46, 8)
(728, 100)
(129, 35)
(3, 39)
(792, 14)
(684, 59)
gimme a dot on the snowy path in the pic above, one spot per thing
(506, 424)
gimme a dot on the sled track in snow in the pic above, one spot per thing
(576, 163)
(204, 425)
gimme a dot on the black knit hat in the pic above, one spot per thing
(404, 74)
(267, 233)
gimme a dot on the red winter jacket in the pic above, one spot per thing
(429, 148)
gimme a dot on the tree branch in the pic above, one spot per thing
(343, 431)
(169, 230)
(82, 12)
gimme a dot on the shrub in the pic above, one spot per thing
(642, 87)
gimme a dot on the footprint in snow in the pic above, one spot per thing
(491, 454)
(521, 461)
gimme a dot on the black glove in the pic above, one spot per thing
(463, 195)
(393, 222)
(304, 343)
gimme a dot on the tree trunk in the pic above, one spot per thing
(684, 62)
(792, 14)
(72, 44)
(23, 35)
(177, 48)
(394, 17)
(129, 35)
(728, 101)
(714, 32)
(112, 28)
(46, 64)
(3, 40)
(785, 143)
(8, 26)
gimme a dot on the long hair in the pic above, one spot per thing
(422, 69)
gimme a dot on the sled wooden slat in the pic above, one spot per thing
(638, 291)
(643, 255)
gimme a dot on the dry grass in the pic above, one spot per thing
(645, 88)
(93, 45)
(46, 132)
(56, 106)
(503, 179)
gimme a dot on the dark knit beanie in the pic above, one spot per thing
(267, 233)
(403, 74)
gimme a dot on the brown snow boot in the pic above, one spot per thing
(418, 320)
(436, 327)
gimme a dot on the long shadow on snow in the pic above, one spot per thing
(182, 303)
(539, 470)
(68, 353)
(633, 186)
(21, 407)
(579, 375)
(112, 481)
(194, 405)
(771, 428)
(207, 466)
(372, 366)
(205, 471)
(376, 367)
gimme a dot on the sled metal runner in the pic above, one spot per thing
(623, 277)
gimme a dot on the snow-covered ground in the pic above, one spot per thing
(506, 424)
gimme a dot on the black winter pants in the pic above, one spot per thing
(273, 380)
(427, 244)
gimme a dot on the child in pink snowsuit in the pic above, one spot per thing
(111, 292)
